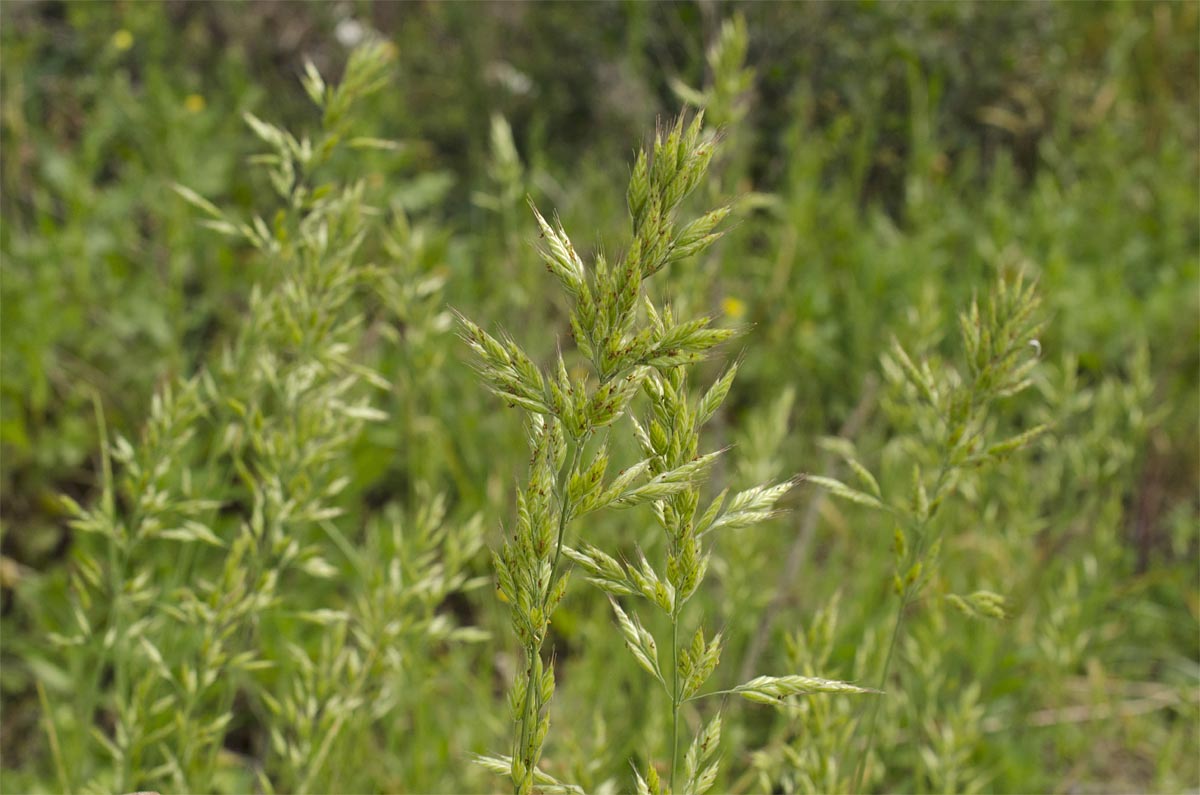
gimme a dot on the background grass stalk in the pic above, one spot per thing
(893, 637)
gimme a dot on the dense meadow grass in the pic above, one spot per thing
(830, 425)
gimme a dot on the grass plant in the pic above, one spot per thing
(228, 503)
(951, 413)
(630, 345)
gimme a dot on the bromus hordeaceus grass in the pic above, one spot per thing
(631, 344)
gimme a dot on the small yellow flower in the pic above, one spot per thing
(194, 103)
(735, 308)
(122, 40)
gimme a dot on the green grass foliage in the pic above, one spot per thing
(328, 465)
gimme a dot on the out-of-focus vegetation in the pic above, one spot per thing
(885, 162)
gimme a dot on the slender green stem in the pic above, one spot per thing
(119, 565)
(563, 509)
(906, 597)
(531, 651)
(699, 696)
(86, 706)
(675, 702)
(60, 767)
(860, 766)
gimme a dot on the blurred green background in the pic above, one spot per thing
(886, 161)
